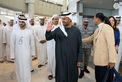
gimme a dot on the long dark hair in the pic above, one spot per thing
(115, 23)
(103, 18)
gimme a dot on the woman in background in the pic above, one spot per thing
(116, 32)
(116, 35)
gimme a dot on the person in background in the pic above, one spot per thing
(2, 47)
(105, 55)
(41, 44)
(119, 26)
(4, 24)
(6, 38)
(51, 49)
(32, 26)
(116, 32)
(86, 31)
(75, 24)
(0, 23)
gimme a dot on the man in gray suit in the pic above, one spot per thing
(86, 31)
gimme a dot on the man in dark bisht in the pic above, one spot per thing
(68, 49)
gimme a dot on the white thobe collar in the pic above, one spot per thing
(100, 25)
(56, 25)
(99, 29)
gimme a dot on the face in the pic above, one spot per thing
(85, 24)
(32, 22)
(11, 23)
(118, 22)
(96, 20)
(42, 22)
(112, 21)
(56, 20)
(66, 21)
(4, 24)
(75, 25)
(22, 24)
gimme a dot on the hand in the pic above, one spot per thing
(111, 65)
(117, 48)
(42, 41)
(49, 26)
(79, 64)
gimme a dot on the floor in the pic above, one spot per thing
(7, 73)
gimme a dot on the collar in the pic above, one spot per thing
(100, 25)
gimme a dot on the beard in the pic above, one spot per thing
(65, 24)
(22, 26)
(32, 24)
(41, 23)
(56, 23)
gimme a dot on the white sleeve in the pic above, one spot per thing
(4, 36)
(36, 35)
(32, 44)
(12, 45)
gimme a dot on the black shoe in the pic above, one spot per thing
(50, 77)
(81, 74)
(1, 61)
(32, 70)
(11, 61)
(39, 66)
(86, 70)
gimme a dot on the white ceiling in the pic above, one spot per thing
(105, 4)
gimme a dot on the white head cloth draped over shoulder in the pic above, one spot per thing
(65, 14)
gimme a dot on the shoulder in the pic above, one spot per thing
(57, 29)
(117, 31)
(14, 32)
(107, 27)
(76, 30)
(90, 28)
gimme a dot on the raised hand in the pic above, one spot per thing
(50, 26)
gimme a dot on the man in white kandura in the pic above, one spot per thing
(6, 38)
(1, 43)
(22, 49)
(51, 50)
(41, 43)
(119, 25)
(32, 26)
